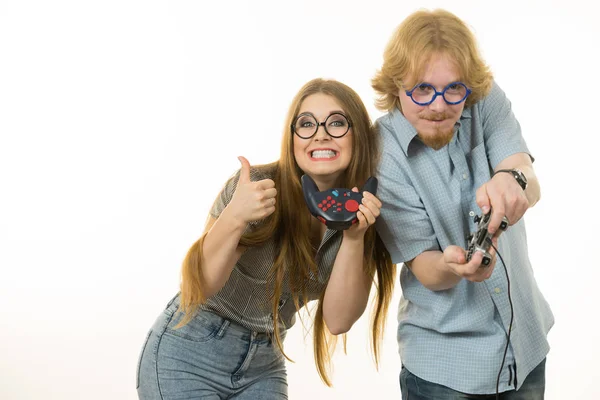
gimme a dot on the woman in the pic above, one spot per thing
(263, 256)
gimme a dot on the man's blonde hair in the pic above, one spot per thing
(420, 36)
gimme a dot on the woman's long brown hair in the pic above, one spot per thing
(290, 229)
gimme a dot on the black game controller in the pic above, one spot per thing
(482, 239)
(336, 208)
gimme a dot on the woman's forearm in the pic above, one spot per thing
(348, 289)
(220, 251)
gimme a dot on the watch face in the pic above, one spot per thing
(521, 178)
(518, 175)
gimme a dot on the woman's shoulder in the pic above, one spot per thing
(263, 171)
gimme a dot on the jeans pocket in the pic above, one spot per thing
(198, 329)
(139, 365)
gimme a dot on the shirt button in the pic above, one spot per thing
(464, 176)
(497, 290)
(472, 213)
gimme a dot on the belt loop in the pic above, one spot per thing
(223, 328)
(173, 301)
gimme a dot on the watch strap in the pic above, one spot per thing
(516, 174)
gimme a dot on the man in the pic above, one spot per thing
(453, 150)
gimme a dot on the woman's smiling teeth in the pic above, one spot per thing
(323, 154)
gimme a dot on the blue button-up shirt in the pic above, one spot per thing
(456, 337)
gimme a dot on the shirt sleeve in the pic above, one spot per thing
(225, 196)
(404, 225)
(501, 130)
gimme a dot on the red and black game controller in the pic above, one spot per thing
(336, 208)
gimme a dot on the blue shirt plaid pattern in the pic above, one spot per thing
(456, 337)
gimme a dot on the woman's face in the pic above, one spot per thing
(323, 157)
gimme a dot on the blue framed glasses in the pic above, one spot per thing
(424, 94)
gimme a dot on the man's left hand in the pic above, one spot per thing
(505, 197)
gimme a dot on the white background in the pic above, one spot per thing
(120, 121)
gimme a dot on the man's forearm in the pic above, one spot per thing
(431, 270)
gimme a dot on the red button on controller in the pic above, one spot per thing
(351, 205)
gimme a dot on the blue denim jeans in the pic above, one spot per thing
(415, 388)
(209, 358)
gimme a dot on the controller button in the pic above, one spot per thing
(351, 205)
(339, 209)
(324, 202)
(322, 220)
(339, 204)
(335, 193)
(320, 205)
(355, 220)
(328, 197)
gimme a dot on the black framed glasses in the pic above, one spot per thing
(306, 125)
(424, 94)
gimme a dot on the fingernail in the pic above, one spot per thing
(485, 209)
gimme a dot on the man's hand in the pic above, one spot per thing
(455, 258)
(505, 197)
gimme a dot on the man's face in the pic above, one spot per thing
(434, 122)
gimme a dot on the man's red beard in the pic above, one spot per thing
(440, 138)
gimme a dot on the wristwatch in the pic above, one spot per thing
(517, 174)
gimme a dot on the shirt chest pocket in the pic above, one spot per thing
(479, 165)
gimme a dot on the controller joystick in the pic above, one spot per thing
(336, 208)
(481, 239)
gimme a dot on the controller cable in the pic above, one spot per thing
(512, 314)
